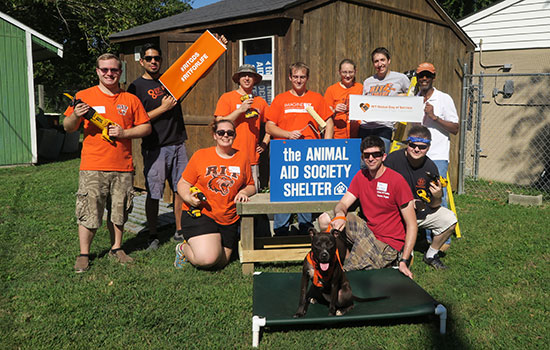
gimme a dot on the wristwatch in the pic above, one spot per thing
(406, 261)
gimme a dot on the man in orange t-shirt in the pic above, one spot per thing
(287, 118)
(106, 169)
(247, 115)
(337, 97)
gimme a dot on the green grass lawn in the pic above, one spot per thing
(496, 290)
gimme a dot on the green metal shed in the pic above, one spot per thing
(20, 46)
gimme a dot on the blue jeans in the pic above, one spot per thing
(442, 167)
(281, 223)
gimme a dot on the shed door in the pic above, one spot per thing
(15, 133)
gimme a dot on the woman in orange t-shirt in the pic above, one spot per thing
(337, 97)
(223, 175)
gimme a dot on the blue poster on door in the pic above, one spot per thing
(312, 170)
(263, 63)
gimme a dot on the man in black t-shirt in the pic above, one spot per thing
(420, 171)
(164, 153)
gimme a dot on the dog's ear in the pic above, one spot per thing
(312, 232)
(335, 232)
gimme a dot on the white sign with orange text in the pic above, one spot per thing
(386, 108)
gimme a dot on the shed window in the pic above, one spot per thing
(260, 52)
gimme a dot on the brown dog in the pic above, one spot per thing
(323, 265)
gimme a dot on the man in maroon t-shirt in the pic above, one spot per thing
(386, 230)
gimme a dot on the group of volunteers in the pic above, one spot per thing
(397, 193)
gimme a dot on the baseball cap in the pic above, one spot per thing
(425, 67)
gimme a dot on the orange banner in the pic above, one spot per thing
(192, 64)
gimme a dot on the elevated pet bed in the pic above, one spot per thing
(275, 300)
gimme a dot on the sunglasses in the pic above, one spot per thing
(229, 133)
(106, 70)
(425, 74)
(415, 145)
(150, 58)
(378, 154)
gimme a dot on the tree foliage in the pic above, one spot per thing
(458, 9)
(83, 28)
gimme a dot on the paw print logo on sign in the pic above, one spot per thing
(340, 189)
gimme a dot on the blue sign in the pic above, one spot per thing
(263, 63)
(312, 170)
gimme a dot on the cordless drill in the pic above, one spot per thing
(195, 212)
(96, 118)
(251, 113)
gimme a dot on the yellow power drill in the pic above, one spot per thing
(251, 113)
(96, 118)
(194, 211)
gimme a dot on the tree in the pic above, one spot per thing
(458, 9)
(83, 27)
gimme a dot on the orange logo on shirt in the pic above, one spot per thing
(221, 179)
(156, 92)
(381, 90)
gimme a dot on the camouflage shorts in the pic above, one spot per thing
(100, 189)
(367, 252)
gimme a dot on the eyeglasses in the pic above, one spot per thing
(415, 145)
(375, 155)
(425, 74)
(106, 70)
(150, 58)
(229, 133)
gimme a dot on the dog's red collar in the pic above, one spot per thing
(321, 277)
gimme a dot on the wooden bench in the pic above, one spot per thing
(273, 249)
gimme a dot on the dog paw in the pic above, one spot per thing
(340, 313)
(312, 301)
(299, 314)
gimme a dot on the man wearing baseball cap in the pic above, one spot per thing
(440, 117)
(247, 113)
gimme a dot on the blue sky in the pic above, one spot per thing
(201, 3)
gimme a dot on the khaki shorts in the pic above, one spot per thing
(438, 221)
(100, 189)
(367, 252)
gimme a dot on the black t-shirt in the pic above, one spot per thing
(168, 128)
(415, 177)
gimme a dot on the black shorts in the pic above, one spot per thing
(192, 227)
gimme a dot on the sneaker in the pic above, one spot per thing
(178, 237)
(153, 245)
(180, 256)
(120, 255)
(435, 262)
(82, 264)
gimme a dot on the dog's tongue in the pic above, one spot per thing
(324, 266)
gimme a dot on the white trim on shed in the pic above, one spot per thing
(510, 24)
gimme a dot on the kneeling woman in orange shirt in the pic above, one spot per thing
(211, 226)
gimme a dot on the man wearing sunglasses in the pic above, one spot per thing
(420, 172)
(106, 169)
(384, 232)
(164, 153)
(441, 118)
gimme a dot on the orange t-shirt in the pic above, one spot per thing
(220, 180)
(289, 113)
(124, 109)
(248, 129)
(335, 94)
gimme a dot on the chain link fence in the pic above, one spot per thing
(505, 146)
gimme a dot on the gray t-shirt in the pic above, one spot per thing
(394, 83)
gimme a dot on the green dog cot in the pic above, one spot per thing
(275, 300)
